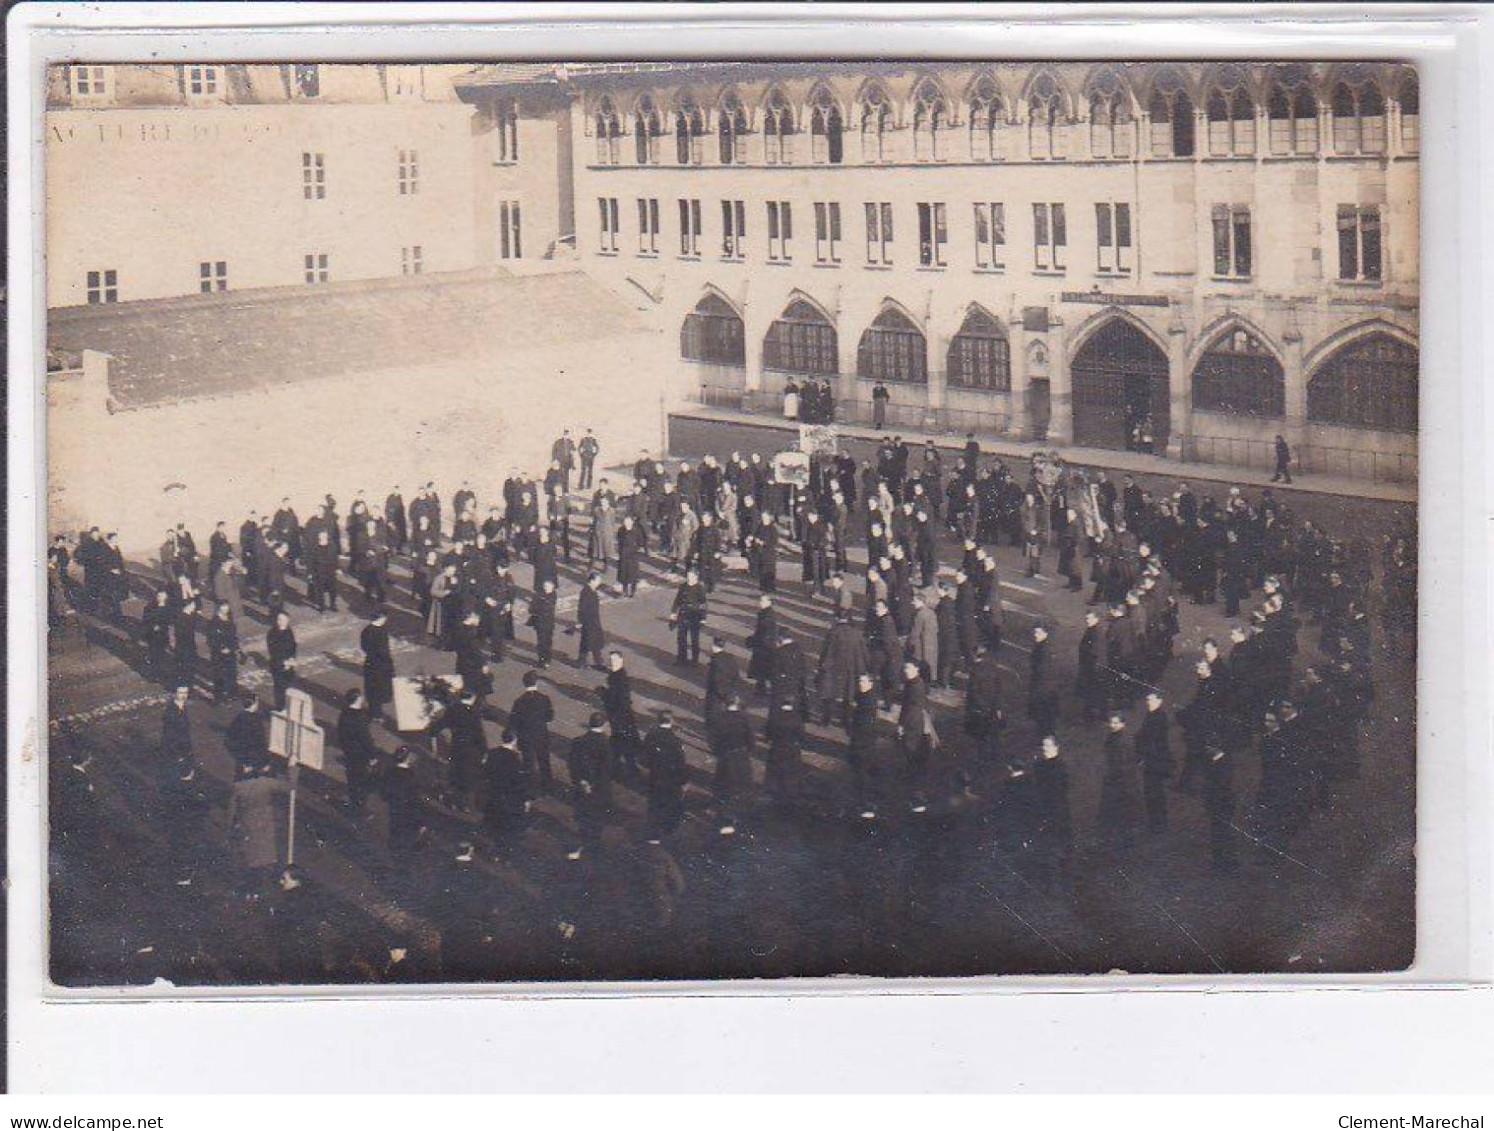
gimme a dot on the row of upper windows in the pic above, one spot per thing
(94, 84)
(1360, 245)
(102, 286)
(1168, 126)
(314, 174)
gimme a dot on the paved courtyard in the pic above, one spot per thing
(814, 891)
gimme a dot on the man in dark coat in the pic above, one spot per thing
(506, 800)
(664, 758)
(589, 619)
(790, 675)
(1042, 699)
(396, 520)
(1154, 752)
(321, 568)
(219, 551)
(844, 659)
(378, 664)
(247, 739)
(763, 641)
(1089, 682)
(530, 718)
(360, 754)
(617, 700)
(176, 733)
(764, 549)
(983, 705)
(915, 730)
(223, 654)
(542, 620)
(468, 746)
(589, 763)
(723, 679)
(156, 623)
(1053, 833)
(184, 641)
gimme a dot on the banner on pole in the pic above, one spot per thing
(413, 711)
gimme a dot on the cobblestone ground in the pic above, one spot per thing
(814, 891)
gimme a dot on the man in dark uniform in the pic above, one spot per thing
(468, 746)
(1154, 752)
(280, 646)
(530, 717)
(723, 679)
(506, 800)
(765, 553)
(590, 765)
(223, 653)
(219, 551)
(790, 674)
(378, 664)
(247, 738)
(396, 521)
(1089, 684)
(563, 453)
(763, 641)
(617, 700)
(664, 758)
(588, 449)
(176, 733)
(184, 640)
(156, 623)
(1042, 699)
(322, 570)
(589, 618)
(360, 754)
(689, 613)
(1283, 472)
(542, 620)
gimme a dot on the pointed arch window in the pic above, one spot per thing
(1239, 374)
(1358, 113)
(731, 130)
(892, 348)
(1045, 120)
(647, 127)
(778, 130)
(1171, 112)
(980, 354)
(1410, 103)
(986, 112)
(1292, 110)
(802, 340)
(825, 128)
(689, 128)
(1231, 114)
(930, 119)
(608, 130)
(876, 124)
(1111, 126)
(713, 332)
(1369, 383)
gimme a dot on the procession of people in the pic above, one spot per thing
(881, 635)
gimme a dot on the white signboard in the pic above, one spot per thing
(791, 468)
(303, 740)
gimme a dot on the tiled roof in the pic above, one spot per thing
(208, 345)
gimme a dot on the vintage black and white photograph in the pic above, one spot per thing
(555, 522)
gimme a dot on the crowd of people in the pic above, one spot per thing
(909, 666)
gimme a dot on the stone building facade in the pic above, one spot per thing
(1187, 258)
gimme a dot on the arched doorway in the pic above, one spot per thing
(1121, 395)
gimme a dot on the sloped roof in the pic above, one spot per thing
(176, 349)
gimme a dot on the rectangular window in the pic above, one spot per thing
(212, 275)
(689, 227)
(1113, 238)
(990, 236)
(648, 226)
(1232, 244)
(780, 230)
(1050, 237)
(411, 260)
(509, 245)
(316, 267)
(506, 127)
(409, 172)
(607, 207)
(103, 286)
(90, 84)
(1359, 242)
(314, 176)
(933, 235)
(827, 232)
(202, 81)
(879, 233)
(733, 229)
